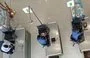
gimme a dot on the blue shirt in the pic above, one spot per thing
(76, 34)
(42, 40)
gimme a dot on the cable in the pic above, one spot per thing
(30, 14)
(33, 13)
(36, 16)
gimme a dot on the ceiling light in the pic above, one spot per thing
(26, 10)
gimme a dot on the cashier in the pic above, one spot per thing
(43, 39)
(76, 36)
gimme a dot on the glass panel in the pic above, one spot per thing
(2, 16)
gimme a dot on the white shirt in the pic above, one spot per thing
(5, 49)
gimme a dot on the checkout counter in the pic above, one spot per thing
(55, 49)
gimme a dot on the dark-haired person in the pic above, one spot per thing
(43, 39)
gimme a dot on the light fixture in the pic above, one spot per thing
(26, 10)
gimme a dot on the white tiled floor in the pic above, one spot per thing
(47, 11)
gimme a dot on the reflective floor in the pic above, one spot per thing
(48, 11)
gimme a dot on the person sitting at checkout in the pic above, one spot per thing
(77, 31)
(6, 47)
(43, 39)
